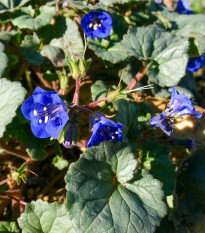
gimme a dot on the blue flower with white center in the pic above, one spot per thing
(195, 63)
(104, 130)
(47, 113)
(97, 24)
(179, 105)
(183, 7)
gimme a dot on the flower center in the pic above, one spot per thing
(49, 113)
(95, 23)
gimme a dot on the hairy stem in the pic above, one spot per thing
(95, 103)
(138, 77)
(77, 91)
(17, 153)
(6, 180)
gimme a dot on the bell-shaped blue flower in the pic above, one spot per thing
(188, 143)
(183, 7)
(179, 105)
(47, 113)
(195, 63)
(97, 24)
(104, 129)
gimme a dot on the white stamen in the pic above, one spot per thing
(46, 119)
(40, 121)
(44, 109)
(90, 25)
(35, 113)
(95, 26)
(113, 137)
(116, 132)
(99, 25)
(139, 88)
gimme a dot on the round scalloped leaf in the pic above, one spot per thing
(41, 216)
(113, 53)
(101, 198)
(25, 20)
(167, 53)
(12, 95)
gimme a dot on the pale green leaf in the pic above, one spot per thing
(24, 20)
(12, 95)
(166, 52)
(40, 216)
(101, 198)
(4, 60)
(11, 5)
(113, 52)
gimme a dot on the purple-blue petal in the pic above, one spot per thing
(39, 129)
(27, 108)
(194, 64)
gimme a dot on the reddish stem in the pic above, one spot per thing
(77, 91)
(6, 180)
(138, 77)
(17, 153)
(40, 76)
(95, 103)
(57, 7)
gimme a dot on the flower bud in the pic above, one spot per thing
(63, 78)
(69, 135)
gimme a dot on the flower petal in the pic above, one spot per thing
(27, 108)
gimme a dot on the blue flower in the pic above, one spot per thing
(195, 63)
(104, 130)
(183, 7)
(179, 105)
(188, 143)
(72, 135)
(97, 24)
(47, 113)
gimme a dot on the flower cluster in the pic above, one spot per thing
(97, 24)
(49, 118)
(179, 105)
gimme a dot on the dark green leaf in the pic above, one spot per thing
(30, 50)
(127, 113)
(98, 90)
(155, 157)
(11, 5)
(6, 227)
(100, 197)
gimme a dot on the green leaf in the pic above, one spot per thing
(191, 26)
(101, 198)
(127, 113)
(166, 226)
(167, 53)
(190, 214)
(155, 157)
(59, 162)
(109, 2)
(4, 60)
(98, 90)
(35, 147)
(84, 5)
(113, 52)
(68, 41)
(12, 95)
(26, 21)
(192, 174)
(7, 36)
(6, 227)
(30, 49)
(40, 216)
(11, 5)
